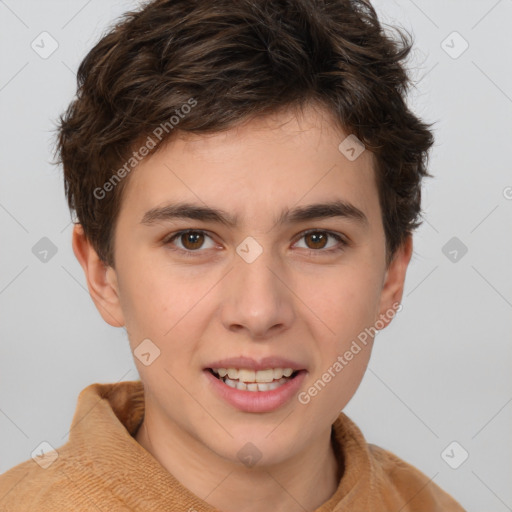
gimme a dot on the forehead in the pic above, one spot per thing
(261, 168)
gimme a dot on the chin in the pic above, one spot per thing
(258, 447)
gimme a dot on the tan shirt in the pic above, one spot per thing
(103, 468)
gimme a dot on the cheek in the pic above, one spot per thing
(150, 305)
(169, 311)
(344, 301)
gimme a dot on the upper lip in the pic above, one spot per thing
(253, 364)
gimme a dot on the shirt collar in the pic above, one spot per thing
(107, 417)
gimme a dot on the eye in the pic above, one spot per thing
(191, 241)
(318, 239)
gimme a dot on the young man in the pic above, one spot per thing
(246, 177)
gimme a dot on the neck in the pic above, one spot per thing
(304, 483)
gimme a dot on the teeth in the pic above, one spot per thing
(253, 386)
(251, 376)
(250, 380)
(265, 375)
(246, 375)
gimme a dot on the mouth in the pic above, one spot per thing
(255, 391)
(254, 381)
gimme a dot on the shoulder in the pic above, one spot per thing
(27, 485)
(399, 479)
(79, 473)
(46, 484)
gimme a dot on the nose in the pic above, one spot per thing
(257, 299)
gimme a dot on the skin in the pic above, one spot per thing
(295, 300)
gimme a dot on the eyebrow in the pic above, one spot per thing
(183, 210)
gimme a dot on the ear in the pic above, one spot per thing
(393, 285)
(101, 279)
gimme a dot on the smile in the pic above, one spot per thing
(243, 389)
(255, 381)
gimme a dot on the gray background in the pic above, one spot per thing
(441, 372)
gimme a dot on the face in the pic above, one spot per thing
(285, 286)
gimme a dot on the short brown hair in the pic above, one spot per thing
(237, 60)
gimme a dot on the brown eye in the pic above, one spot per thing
(318, 239)
(192, 240)
(189, 242)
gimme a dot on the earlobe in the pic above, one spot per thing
(393, 286)
(101, 279)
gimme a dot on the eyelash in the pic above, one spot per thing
(188, 253)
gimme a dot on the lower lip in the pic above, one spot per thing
(257, 401)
